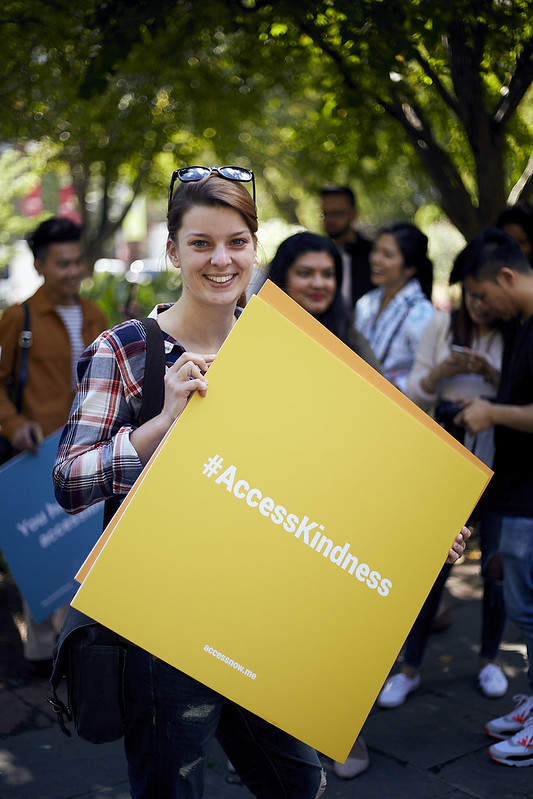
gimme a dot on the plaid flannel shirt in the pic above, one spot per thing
(96, 458)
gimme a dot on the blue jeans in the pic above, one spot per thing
(171, 721)
(516, 549)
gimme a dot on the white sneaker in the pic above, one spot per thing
(506, 726)
(516, 751)
(356, 762)
(492, 681)
(397, 689)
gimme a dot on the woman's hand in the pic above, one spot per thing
(470, 362)
(467, 362)
(183, 378)
(448, 367)
(458, 546)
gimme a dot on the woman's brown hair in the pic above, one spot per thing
(211, 191)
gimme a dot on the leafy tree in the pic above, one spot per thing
(454, 76)
(307, 92)
(110, 111)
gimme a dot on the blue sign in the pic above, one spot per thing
(43, 546)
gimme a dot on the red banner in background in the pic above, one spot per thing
(67, 204)
(32, 203)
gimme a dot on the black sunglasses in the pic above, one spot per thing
(190, 174)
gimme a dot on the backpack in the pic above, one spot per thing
(90, 657)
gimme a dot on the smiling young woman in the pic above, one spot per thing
(170, 719)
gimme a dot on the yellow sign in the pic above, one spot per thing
(280, 542)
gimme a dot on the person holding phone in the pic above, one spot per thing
(459, 355)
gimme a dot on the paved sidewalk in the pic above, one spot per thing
(433, 747)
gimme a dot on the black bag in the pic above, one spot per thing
(91, 657)
(445, 413)
(16, 382)
(6, 450)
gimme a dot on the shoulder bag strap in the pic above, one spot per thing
(25, 341)
(397, 328)
(154, 371)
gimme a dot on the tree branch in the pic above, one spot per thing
(441, 89)
(518, 85)
(523, 188)
(454, 197)
(465, 71)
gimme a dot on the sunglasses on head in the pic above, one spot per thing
(190, 174)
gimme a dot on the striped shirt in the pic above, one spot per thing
(72, 318)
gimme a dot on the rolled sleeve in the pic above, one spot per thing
(432, 348)
(96, 459)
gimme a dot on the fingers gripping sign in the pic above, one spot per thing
(459, 545)
(183, 378)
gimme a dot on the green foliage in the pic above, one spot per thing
(114, 294)
(411, 102)
(18, 176)
(452, 76)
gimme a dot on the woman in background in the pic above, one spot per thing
(393, 315)
(308, 267)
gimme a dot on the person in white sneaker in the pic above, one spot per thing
(400, 685)
(518, 750)
(505, 727)
(497, 273)
(460, 355)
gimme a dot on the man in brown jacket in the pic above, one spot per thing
(62, 324)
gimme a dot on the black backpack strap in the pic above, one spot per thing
(154, 371)
(153, 389)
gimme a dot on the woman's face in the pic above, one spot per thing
(520, 236)
(387, 264)
(311, 282)
(479, 313)
(215, 250)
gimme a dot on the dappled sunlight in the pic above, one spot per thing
(11, 772)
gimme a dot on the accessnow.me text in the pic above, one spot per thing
(233, 663)
(311, 533)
